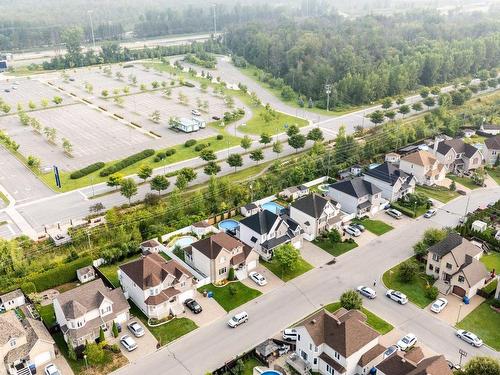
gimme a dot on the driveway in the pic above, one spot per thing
(456, 309)
(396, 223)
(211, 311)
(145, 344)
(314, 255)
(60, 363)
(273, 281)
(392, 337)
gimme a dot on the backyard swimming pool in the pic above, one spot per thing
(182, 242)
(274, 207)
(228, 224)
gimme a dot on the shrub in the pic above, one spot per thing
(350, 300)
(232, 290)
(190, 142)
(230, 275)
(28, 287)
(87, 170)
(431, 292)
(170, 151)
(95, 354)
(161, 155)
(132, 159)
(334, 236)
(114, 348)
(200, 146)
(407, 271)
(60, 275)
(187, 84)
(220, 137)
(114, 329)
(496, 303)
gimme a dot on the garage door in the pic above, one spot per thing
(252, 265)
(458, 291)
(42, 358)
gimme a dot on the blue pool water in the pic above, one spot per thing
(274, 207)
(229, 224)
(184, 241)
(271, 372)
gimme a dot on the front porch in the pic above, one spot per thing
(298, 364)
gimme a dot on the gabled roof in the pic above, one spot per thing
(345, 334)
(10, 327)
(213, 245)
(458, 145)
(312, 205)
(152, 269)
(456, 243)
(89, 270)
(490, 126)
(76, 302)
(387, 172)
(9, 296)
(260, 222)
(150, 243)
(422, 158)
(436, 365)
(493, 143)
(357, 187)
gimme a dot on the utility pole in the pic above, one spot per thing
(328, 90)
(215, 19)
(91, 27)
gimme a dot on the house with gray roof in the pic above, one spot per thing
(214, 256)
(357, 196)
(25, 345)
(491, 129)
(454, 263)
(316, 214)
(83, 311)
(294, 192)
(85, 274)
(457, 155)
(492, 150)
(339, 343)
(12, 299)
(157, 286)
(391, 180)
(264, 231)
(400, 363)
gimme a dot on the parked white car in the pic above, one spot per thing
(128, 343)
(238, 319)
(438, 305)
(367, 292)
(51, 369)
(353, 231)
(470, 338)
(394, 213)
(430, 213)
(397, 296)
(195, 112)
(407, 342)
(258, 278)
(136, 329)
(290, 334)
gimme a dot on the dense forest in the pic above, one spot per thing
(370, 57)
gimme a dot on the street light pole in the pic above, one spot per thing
(215, 19)
(328, 90)
(91, 27)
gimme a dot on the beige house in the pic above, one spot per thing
(492, 150)
(83, 311)
(400, 363)
(454, 263)
(424, 166)
(457, 155)
(12, 300)
(158, 287)
(24, 345)
(214, 256)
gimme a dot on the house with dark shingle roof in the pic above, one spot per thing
(316, 214)
(457, 155)
(158, 287)
(454, 263)
(492, 150)
(391, 180)
(339, 343)
(82, 311)
(400, 363)
(357, 196)
(264, 231)
(214, 256)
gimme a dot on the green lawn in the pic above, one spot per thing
(231, 295)
(474, 139)
(335, 249)
(377, 227)
(465, 181)
(378, 324)
(4, 198)
(439, 193)
(275, 268)
(415, 290)
(494, 173)
(167, 332)
(492, 261)
(484, 322)
(249, 365)
(110, 271)
(47, 314)
(410, 211)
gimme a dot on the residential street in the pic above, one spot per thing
(209, 347)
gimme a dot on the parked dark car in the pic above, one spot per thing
(461, 192)
(216, 118)
(192, 305)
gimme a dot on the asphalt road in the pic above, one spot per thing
(209, 347)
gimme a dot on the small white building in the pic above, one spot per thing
(188, 125)
(249, 210)
(85, 274)
(12, 300)
(392, 157)
(490, 129)
(202, 228)
(479, 226)
(152, 246)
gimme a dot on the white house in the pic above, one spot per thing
(264, 231)
(249, 209)
(294, 192)
(457, 155)
(316, 214)
(12, 300)
(392, 157)
(490, 129)
(334, 344)
(424, 166)
(188, 125)
(492, 150)
(83, 311)
(85, 274)
(357, 196)
(391, 180)
(156, 286)
(497, 292)
(152, 246)
(202, 228)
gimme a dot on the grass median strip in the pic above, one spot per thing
(231, 295)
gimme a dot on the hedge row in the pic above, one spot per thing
(87, 170)
(132, 159)
(62, 274)
(403, 210)
(187, 84)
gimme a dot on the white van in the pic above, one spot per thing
(394, 213)
(238, 319)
